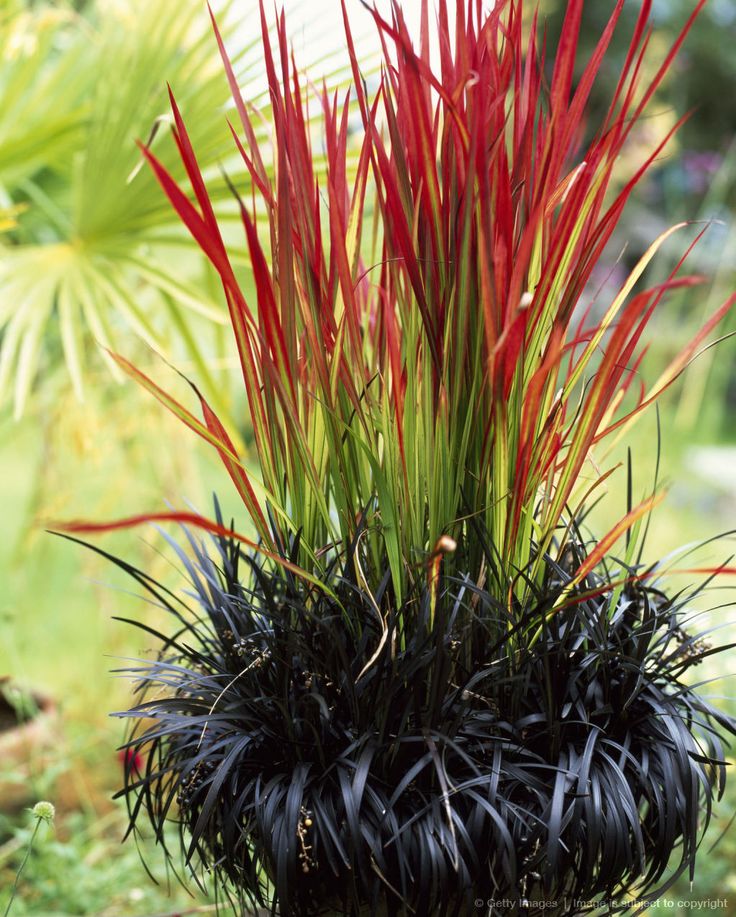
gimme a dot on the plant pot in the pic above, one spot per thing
(29, 730)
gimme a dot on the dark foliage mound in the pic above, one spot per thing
(330, 753)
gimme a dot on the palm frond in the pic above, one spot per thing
(94, 252)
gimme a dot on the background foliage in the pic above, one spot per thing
(90, 255)
(695, 179)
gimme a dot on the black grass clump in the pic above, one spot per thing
(322, 751)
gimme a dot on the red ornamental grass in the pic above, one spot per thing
(455, 698)
(421, 355)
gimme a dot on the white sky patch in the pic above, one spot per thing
(316, 32)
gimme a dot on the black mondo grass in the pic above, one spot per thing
(321, 751)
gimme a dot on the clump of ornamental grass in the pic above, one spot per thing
(323, 749)
(411, 683)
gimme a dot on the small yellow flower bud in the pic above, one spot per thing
(44, 810)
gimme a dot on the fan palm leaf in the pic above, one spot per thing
(90, 249)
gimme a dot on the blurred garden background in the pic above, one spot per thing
(91, 257)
